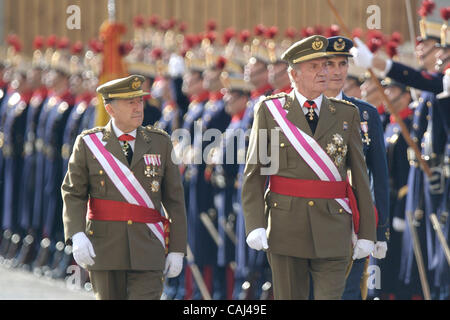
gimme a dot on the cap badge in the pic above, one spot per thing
(317, 44)
(135, 84)
(339, 45)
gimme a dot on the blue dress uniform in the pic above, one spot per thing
(224, 178)
(152, 112)
(214, 117)
(427, 129)
(422, 200)
(398, 164)
(202, 245)
(46, 150)
(13, 133)
(169, 117)
(88, 118)
(72, 127)
(375, 155)
(53, 141)
(442, 272)
(27, 178)
(28, 174)
(256, 268)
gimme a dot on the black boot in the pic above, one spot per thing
(13, 249)
(42, 257)
(7, 234)
(27, 253)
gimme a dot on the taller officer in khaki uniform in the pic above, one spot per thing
(119, 177)
(298, 219)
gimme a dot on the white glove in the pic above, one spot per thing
(257, 239)
(380, 250)
(362, 248)
(362, 57)
(446, 81)
(174, 264)
(82, 250)
(176, 66)
(398, 224)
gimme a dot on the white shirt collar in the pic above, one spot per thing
(302, 99)
(119, 132)
(339, 96)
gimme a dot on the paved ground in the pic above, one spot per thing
(23, 285)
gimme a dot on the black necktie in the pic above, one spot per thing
(127, 150)
(311, 116)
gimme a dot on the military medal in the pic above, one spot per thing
(154, 186)
(345, 125)
(337, 149)
(152, 162)
(365, 130)
(365, 115)
(311, 114)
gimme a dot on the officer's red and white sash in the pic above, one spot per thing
(308, 149)
(124, 180)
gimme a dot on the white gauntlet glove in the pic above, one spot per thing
(362, 57)
(362, 248)
(82, 250)
(174, 264)
(380, 250)
(257, 239)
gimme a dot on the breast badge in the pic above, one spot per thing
(152, 164)
(337, 149)
(365, 130)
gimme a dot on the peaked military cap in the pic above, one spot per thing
(123, 88)
(306, 49)
(339, 46)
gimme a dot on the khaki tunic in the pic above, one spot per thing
(304, 227)
(122, 245)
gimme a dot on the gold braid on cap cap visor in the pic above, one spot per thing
(131, 94)
(310, 57)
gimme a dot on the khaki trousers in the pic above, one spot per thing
(127, 284)
(291, 277)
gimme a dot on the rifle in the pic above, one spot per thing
(197, 275)
(419, 258)
(441, 237)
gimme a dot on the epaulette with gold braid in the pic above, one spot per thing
(342, 101)
(93, 130)
(157, 130)
(275, 96)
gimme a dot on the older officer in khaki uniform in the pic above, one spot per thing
(305, 218)
(119, 177)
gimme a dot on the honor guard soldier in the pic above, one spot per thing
(374, 154)
(122, 174)
(223, 177)
(48, 143)
(256, 73)
(13, 128)
(83, 98)
(214, 118)
(398, 164)
(39, 69)
(303, 220)
(425, 193)
(198, 96)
